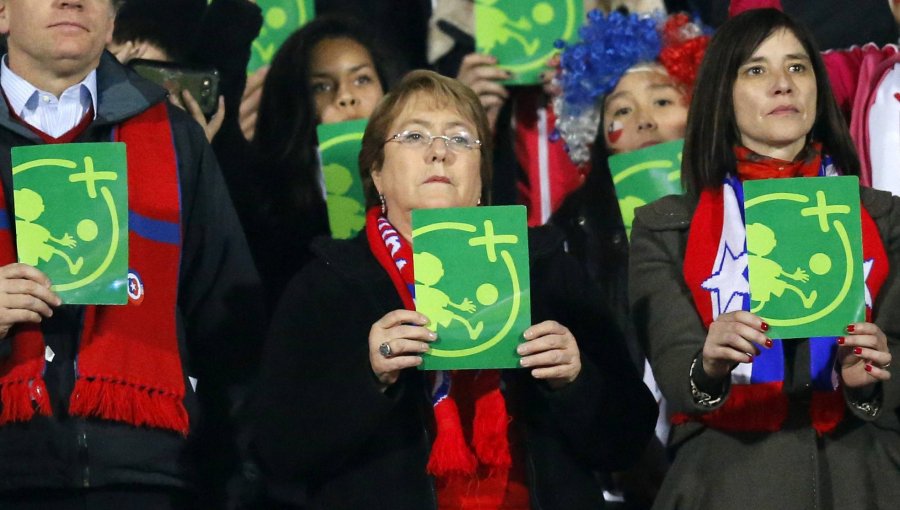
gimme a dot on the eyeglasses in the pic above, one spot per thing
(459, 142)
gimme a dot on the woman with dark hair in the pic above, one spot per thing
(328, 71)
(346, 419)
(762, 423)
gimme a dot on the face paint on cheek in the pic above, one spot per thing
(614, 131)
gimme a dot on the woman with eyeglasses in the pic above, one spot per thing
(346, 419)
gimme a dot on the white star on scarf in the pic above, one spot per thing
(729, 280)
(867, 268)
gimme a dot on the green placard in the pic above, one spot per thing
(71, 208)
(472, 281)
(645, 175)
(804, 252)
(280, 19)
(522, 34)
(339, 145)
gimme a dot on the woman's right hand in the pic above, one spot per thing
(25, 296)
(734, 337)
(405, 333)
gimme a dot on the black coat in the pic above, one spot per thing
(326, 434)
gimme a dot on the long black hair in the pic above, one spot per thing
(285, 138)
(712, 131)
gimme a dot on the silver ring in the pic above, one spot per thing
(385, 350)
(886, 365)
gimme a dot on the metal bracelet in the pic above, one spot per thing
(868, 408)
(702, 398)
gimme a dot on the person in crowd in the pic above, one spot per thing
(192, 33)
(638, 99)
(328, 71)
(822, 431)
(102, 405)
(345, 340)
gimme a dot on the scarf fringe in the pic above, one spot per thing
(125, 402)
(22, 399)
(489, 436)
(449, 453)
(827, 410)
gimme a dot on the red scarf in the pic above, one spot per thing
(763, 406)
(464, 480)
(128, 366)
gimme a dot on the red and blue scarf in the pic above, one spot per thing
(128, 366)
(461, 484)
(715, 270)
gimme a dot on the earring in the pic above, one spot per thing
(383, 205)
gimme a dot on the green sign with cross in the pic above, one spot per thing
(644, 175)
(472, 282)
(280, 19)
(804, 254)
(71, 212)
(339, 145)
(522, 34)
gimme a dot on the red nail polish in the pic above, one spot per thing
(769, 344)
(764, 326)
(857, 350)
(841, 340)
(850, 328)
(750, 360)
(868, 368)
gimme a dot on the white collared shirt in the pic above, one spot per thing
(44, 111)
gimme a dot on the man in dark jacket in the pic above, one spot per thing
(100, 405)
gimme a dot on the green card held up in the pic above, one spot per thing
(71, 208)
(280, 19)
(472, 282)
(522, 34)
(339, 145)
(804, 252)
(645, 175)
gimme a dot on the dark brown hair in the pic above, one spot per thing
(712, 132)
(446, 93)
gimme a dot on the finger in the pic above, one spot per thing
(554, 372)
(743, 317)
(193, 107)
(489, 73)
(174, 99)
(403, 347)
(215, 122)
(17, 316)
(542, 344)
(256, 80)
(491, 101)
(419, 333)
(879, 358)
(728, 354)
(740, 344)
(870, 341)
(484, 87)
(553, 61)
(26, 272)
(549, 358)
(248, 129)
(753, 335)
(477, 59)
(395, 364)
(863, 328)
(398, 317)
(881, 374)
(544, 328)
(27, 302)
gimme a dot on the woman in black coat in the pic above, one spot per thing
(347, 423)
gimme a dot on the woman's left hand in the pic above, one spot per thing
(551, 351)
(187, 102)
(863, 355)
